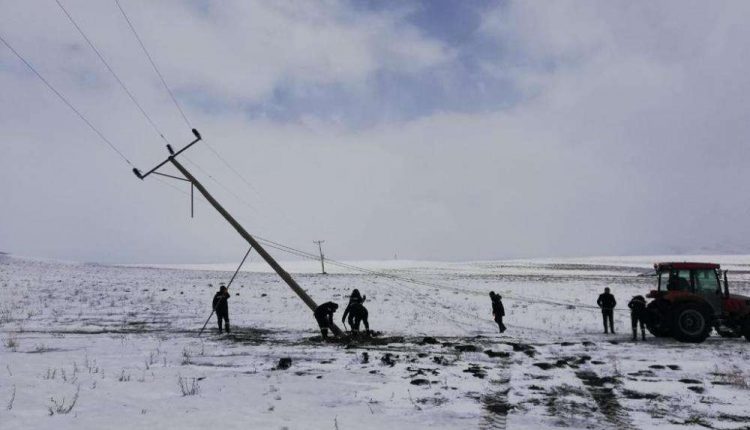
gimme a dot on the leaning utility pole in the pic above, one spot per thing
(322, 258)
(250, 239)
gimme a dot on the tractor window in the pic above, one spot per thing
(706, 281)
(679, 280)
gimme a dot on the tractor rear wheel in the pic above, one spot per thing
(690, 323)
(746, 329)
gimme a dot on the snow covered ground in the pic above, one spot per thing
(121, 343)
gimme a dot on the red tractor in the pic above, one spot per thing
(690, 301)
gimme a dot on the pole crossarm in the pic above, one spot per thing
(173, 154)
(254, 244)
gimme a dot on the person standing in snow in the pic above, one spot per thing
(637, 307)
(607, 304)
(324, 317)
(222, 307)
(498, 310)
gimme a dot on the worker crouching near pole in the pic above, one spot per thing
(324, 317)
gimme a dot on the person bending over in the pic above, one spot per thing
(324, 317)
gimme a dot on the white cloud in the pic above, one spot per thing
(631, 136)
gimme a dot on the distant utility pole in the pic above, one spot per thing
(322, 258)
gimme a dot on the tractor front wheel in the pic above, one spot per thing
(690, 323)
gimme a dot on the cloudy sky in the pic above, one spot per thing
(428, 130)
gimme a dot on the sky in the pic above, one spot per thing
(427, 130)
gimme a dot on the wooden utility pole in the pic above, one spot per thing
(245, 235)
(322, 258)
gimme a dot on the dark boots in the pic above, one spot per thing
(225, 320)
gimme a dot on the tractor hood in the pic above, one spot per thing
(736, 303)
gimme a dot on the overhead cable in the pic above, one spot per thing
(174, 99)
(111, 71)
(65, 100)
(153, 64)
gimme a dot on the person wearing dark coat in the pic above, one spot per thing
(221, 307)
(607, 304)
(356, 311)
(324, 317)
(498, 310)
(637, 307)
(356, 297)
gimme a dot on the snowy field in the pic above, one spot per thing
(89, 346)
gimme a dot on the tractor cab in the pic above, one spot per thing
(691, 281)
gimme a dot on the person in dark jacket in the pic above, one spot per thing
(221, 307)
(607, 304)
(637, 307)
(498, 311)
(355, 311)
(324, 317)
(356, 297)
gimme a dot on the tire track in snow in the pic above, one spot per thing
(606, 399)
(495, 403)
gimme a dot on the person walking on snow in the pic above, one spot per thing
(637, 307)
(324, 317)
(607, 304)
(498, 310)
(222, 307)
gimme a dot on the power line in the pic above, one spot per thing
(410, 280)
(153, 63)
(135, 101)
(226, 188)
(117, 78)
(398, 280)
(65, 100)
(137, 104)
(226, 163)
(270, 243)
(174, 99)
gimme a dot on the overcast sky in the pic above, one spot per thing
(446, 130)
